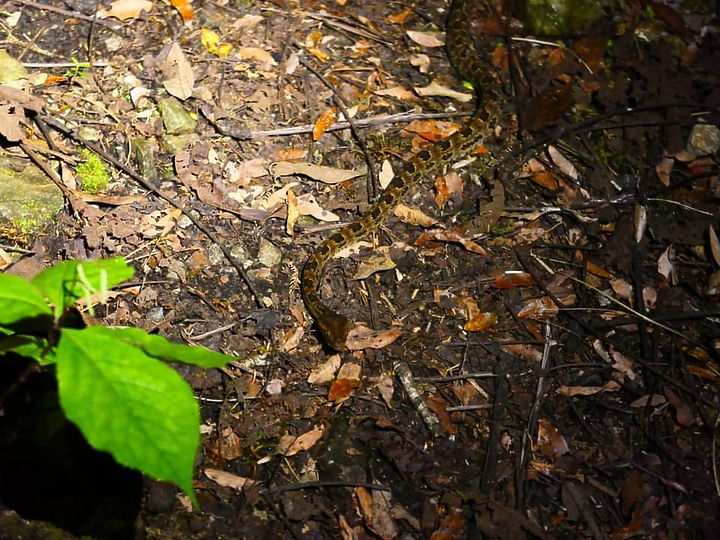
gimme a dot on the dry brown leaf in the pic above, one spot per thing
(437, 90)
(386, 387)
(426, 39)
(663, 170)
(377, 512)
(714, 244)
(414, 216)
(379, 261)
(292, 213)
(610, 386)
(327, 175)
(226, 479)
(512, 279)
(305, 441)
(665, 266)
(451, 235)
(526, 352)
(551, 443)
(325, 372)
(307, 205)
(362, 337)
(261, 56)
(125, 9)
(179, 79)
(397, 92)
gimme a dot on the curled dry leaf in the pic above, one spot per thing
(414, 216)
(327, 175)
(437, 90)
(261, 56)
(551, 443)
(450, 235)
(665, 266)
(386, 387)
(325, 120)
(400, 17)
(538, 308)
(307, 205)
(226, 479)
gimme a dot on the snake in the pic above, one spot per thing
(471, 66)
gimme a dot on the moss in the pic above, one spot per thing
(92, 172)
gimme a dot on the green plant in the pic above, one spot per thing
(77, 70)
(113, 383)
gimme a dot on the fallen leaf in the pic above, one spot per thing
(481, 321)
(400, 17)
(451, 235)
(325, 120)
(305, 441)
(426, 39)
(184, 9)
(551, 443)
(226, 479)
(512, 279)
(361, 337)
(125, 9)
(325, 372)
(413, 216)
(379, 261)
(179, 78)
(610, 386)
(327, 175)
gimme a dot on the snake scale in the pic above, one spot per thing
(468, 62)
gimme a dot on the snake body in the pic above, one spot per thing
(467, 61)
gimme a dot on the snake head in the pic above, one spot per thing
(334, 328)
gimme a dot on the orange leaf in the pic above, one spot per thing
(510, 280)
(184, 9)
(324, 121)
(481, 321)
(400, 18)
(342, 389)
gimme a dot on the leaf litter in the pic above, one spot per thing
(590, 292)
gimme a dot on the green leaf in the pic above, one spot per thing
(20, 299)
(135, 407)
(161, 348)
(68, 281)
(33, 347)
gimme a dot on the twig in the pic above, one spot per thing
(65, 12)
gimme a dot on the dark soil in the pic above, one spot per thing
(563, 383)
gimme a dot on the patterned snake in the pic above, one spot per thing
(467, 61)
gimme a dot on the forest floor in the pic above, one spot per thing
(544, 359)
